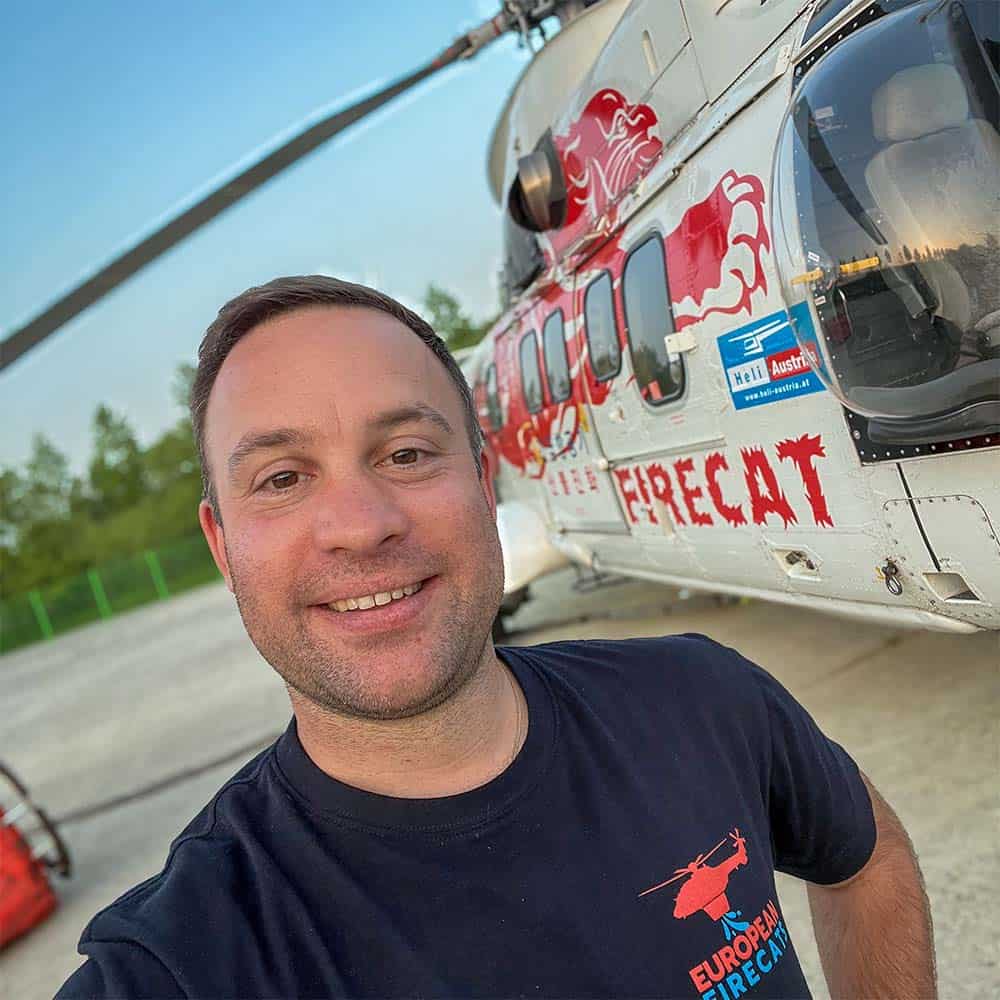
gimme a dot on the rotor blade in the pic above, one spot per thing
(111, 275)
(681, 872)
(705, 857)
(654, 888)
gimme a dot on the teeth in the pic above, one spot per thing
(375, 600)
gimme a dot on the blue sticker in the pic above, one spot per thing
(764, 363)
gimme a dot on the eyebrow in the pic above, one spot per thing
(254, 441)
(410, 414)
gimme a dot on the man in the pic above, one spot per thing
(443, 818)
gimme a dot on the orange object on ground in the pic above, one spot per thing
(26, 898)
(30, 846)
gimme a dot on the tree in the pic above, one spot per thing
(36, 531)
(171, 457)
(180, 387)
(11, 514)
(47, 482)
(116, 476)
(11, 492)
(54, 525)
(450, 322)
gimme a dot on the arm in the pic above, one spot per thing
(874, 930)
(119, 969)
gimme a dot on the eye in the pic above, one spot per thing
(281, 481)
(405, 456)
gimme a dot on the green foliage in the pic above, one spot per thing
(180, 388)
(117, 474)
(450, 322)
(54, 526)
(125, 582)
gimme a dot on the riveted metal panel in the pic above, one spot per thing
(949, 534)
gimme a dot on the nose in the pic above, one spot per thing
(359, 514)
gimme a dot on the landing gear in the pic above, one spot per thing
(508, 606)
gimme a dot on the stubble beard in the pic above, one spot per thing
(335, 683)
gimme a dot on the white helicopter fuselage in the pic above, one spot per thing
(689, 433)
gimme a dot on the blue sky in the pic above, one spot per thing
(113, 112)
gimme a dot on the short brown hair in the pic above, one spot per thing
(248, 310)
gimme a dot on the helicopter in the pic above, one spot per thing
(705, 888)
(753, 342)
(750, 341)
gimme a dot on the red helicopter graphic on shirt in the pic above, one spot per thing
(706, 885)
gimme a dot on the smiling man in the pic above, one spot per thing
(444, 818)
(347, 482)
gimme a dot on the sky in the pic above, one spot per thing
(113, 112)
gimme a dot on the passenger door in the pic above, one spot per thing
(647, 395)
(651, 409)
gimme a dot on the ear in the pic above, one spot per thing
(212, 531)
(488, 464)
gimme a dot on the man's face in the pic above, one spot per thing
(337, 445)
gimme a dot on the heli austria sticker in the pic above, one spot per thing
(764, 363)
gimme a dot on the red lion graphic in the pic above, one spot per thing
(610, 146)
(714, 255)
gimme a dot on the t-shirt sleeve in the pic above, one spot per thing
(119, 970)
(822, 823)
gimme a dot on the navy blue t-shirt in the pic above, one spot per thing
(628, 851)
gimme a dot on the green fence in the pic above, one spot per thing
(105, 590)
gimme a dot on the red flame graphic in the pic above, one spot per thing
(714, 255)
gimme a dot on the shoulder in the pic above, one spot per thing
(200, 874)
(120, 969)
(673, 680)
(676, 664)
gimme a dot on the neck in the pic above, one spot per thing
(464, 742)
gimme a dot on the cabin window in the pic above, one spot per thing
(599, 325)
(659, 375)
(531, 375)
(493, 413)
(556, 362)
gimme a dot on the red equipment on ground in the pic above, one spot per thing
(29, 847)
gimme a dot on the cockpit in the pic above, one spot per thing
(887, 208)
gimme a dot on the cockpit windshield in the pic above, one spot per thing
(888, 208)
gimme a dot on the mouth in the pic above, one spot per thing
(400, 607)
(365, 602)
